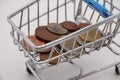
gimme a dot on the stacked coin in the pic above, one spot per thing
(56, 28)
(83, 25)
(70, 26)
(47, 55)
(42, 33)
(91, 37)
(36, 42)
(33, 39)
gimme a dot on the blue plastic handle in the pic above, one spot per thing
(99, 8)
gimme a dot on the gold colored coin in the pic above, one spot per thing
(91, 35)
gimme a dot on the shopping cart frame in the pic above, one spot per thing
(18, 35)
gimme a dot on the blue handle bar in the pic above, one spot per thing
(99, 8)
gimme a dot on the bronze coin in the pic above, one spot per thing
(46, 56)
(56, 28)
(91, 35)
(82, 25)
(45, 35)
(33, 39)
(69, 25)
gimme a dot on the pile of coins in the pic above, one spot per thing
(53, 31)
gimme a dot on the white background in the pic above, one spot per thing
(12, 62)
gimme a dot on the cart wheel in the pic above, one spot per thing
(117, 69)
(28, 70)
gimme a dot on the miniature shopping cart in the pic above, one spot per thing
(51, 32)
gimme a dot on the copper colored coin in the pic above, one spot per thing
(45, 35)
(69, 25)
(82, 25)
(33, 39)
(91, 35)
(46, 56)
(69, 32)
(56, 28)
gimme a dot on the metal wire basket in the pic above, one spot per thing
(97, 24)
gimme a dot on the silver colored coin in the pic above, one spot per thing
(56, 28)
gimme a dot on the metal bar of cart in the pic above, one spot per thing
(94, 71)
(40, 15)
